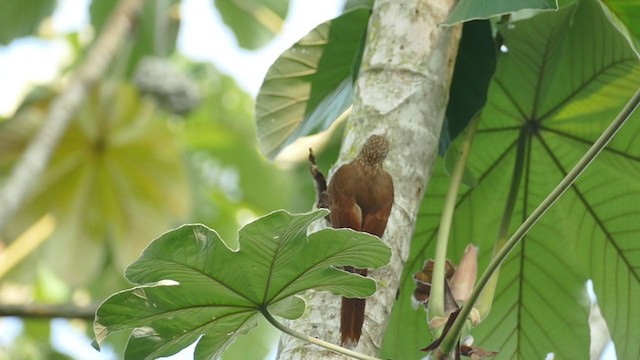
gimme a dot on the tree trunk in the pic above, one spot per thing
(401, 91)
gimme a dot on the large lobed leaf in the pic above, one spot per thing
(310, 84)
(564, 77)
(192, 286)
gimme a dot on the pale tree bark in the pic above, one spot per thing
(36, 157)
(402, 91)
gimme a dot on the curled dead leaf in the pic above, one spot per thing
(423, 278)
(464, 278)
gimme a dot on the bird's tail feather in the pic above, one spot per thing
(352, 315)
(351, 320)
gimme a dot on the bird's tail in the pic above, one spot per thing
(352, 316)
(351, 320)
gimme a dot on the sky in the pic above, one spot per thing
(203, 37)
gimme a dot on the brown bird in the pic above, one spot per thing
(360, 198)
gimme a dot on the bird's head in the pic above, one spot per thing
(375, 150)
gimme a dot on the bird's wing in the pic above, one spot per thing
(345, 212)
(375, 222)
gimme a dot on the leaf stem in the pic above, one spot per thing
(566, 182)
(486, 297)
(436, 302)
(516, 179)
(313, 340)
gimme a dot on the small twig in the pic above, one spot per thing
(46, 311)
(36, 157)
(315, 341)
(437, 301)
(322, 197)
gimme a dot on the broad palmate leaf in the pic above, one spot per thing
(192, 286)
(563, 77)
(311, 83)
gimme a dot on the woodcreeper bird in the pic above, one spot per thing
(360, 198)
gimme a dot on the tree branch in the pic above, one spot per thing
(36, 157)
(25, 244)
(401, 91)
(46, 311)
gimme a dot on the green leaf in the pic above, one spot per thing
(466, 10)
(563, 79)
(115, 180)
(626, 16)
(155, 33)
(254, 22)
(192, 286)
(310, 84)
(449, 161)
(475, 65)
(22, 17)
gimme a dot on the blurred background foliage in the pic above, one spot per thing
(162, 140)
